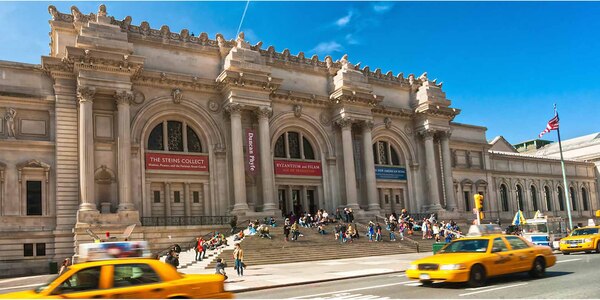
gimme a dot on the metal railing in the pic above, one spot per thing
(183, 221)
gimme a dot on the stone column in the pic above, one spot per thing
(381, 197)
(187, 201)
(451, 204)
(349, 172)
(393, 200)
(369, 169)
(86, 149)
(237, 153)
(167, 199)
(123, 99)
(433, 203)
(266, 160)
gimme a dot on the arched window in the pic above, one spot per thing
(504, 197)
(179, 138)
(520, 197)
(548, 198)
(385, 154)
(584, 199)
(293, 144)
(573, 198)
(561, 201)
(534, 198)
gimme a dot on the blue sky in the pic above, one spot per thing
(503, 63)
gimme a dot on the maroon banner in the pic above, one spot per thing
(252, 152)
(301, 168)
(176, 162)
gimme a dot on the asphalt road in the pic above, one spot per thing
(574, 276)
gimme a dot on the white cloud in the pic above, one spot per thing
(327, 48)
(351, 39)
(343, 21)
(382, 7)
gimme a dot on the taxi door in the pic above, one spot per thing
(523, 254)
(135, 281)
(499, 261)
(84, 283)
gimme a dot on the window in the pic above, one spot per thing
(516, 243)
(385, 154)
(40, 249)
(561, 202)
(573, 198)
(34, 198)
(499, 244)
(504, 197)
(520, 197)
(387, 199)
(467, 197)
(156, 196)
(177, 197)
(133, 275)
(548, 199)
(196, 196)
(397, 199)
(584, 199)
(84, 280)
(293, 148)
(178, 133)
(27, 250)
(466, 246)
(534, 198)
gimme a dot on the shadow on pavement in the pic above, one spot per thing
(512, 278)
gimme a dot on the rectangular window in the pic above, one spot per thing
(34, 198)
(40, 249)
(397, 199)
(196, 197)
(387, 199)
(156, 196)
(467, 201)
(27, 249)
(176, 197)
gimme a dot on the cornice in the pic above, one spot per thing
(154, 78)
(436, 110)
(295, 96)
(348, 95)
(231, 78)
(393, 112)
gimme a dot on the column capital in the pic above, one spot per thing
(367, 125)
(445, 134)
(234, 109)
(123, 97)
(344, 122)
(86, 94)
(263, 112)
(427, 134)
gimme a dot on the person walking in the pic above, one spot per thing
(392, 229)
(371, 231)
(198, 249)
(238, 256)
(286, 229)
(64, 266)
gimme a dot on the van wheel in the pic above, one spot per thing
(477, 276)
(539, 268)
(566, 253)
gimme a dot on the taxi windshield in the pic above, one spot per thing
(535, 228)
(461, 246)
(42, 287)
(584, 231)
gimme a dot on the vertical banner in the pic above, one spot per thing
(251, 152)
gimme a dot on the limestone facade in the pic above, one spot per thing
(122, 123)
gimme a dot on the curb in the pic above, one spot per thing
(251, 289)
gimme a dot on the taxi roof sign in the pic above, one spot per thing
(113, 250)
(484, 229)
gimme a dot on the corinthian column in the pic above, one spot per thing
(86, 149)
(237, 153)
(266, 160)
(349, 172)
(123, 99)
(370, 166)
(433, 203)
(447, 164)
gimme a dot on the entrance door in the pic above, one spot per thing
(296, 202)
(282, 201)
(310, 196)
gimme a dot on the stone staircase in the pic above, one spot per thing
(312, 246)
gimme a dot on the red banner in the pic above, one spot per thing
(251, 152)
(176, 162)
(302, 168)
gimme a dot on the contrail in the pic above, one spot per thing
(242, 20)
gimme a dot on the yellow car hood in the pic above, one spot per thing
(579, 237)
(22, 295)
(449, 258)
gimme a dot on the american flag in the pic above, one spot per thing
(552, 125)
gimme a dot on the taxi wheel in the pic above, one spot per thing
(598, 247)
(539, 268)
(426, 282)
(566, 253)
(477, 276)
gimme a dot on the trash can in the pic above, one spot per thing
(53, 267)
(437, 246)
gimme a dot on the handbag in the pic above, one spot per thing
(243, 265)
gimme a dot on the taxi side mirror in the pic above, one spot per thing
(496, 249)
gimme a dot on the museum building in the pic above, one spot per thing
(125, 124)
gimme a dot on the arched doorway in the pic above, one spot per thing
(391, 176)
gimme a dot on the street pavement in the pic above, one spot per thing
(574, 276)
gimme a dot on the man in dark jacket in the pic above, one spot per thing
(173, 259)
(220, 268)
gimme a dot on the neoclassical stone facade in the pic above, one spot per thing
(125, 124)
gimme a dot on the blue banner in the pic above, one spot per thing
(392, 173)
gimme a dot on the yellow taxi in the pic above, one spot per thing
(485, 252)
(581, 239)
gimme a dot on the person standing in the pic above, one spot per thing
(238, 256)
(198, 249)
(392, 229)
(286, 229)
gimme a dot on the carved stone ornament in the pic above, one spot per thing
(123, 97)
(104, 175)
(177, 96)
(138, 97)
(263, 112)
(324, 118)
(233, 108)
(408, 129)
(213, 106)
(10, 115)
(297, 110)
(102, 10)
(346, 122)
(367, 124)
(388, 122)
(85, 94)
(219, 149)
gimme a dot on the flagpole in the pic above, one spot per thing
(564, 174)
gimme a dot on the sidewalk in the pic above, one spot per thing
(271, 276)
